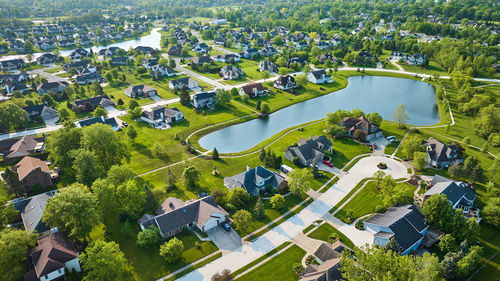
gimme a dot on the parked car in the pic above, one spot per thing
(391, 139)
(226, 226)
(328, 163)
(374, 146)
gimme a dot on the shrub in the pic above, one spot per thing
(298, 268)
(334, 236)
(379, 209)
(359, 225)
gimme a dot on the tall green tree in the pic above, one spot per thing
(191, 176)
(259, 210)
(400, 115)
(60, 142)
(86, 166)
(131, 197)
(172, 250)
(300, 181)
(242, 219)
(74, 210)
(491, 212)
(103, 261)
(105, 143)
(13, 246)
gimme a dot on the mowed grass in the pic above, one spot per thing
(323, 232)
(490, 240)
(367, 200)
(278, 268)
(146, 263)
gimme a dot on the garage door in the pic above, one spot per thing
(211, 223)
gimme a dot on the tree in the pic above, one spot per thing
(11, 179)
(133, 104)
(400, 115)
(258, 105)
(265, 75)
(74, 210)
(224, 275)
(131, 132)
(222, 98)
(13, 247)
(60, 142)
(491, 212)
(242, 219)
(171, 180)
(184, 97)
(172, 250)
(336, 131)
(172, 63)
(135, 113)
(277, 201)
(447, 243)
(238, 196)
(301, 80)
(86, 166)
(219, 196)
(131, 198)
(410, 145)
(419, 160)
(103, 261)
(300, 181)
(7, 211)
(259, 210)
(262, 155)
(150, 236)
(105, 143)
(63, 114)
(190, 175)
(99, 111)
(455, 170)
(360, 135)
(469, 263)
(374, 117)
(379, 176)
(265, 109)
(119, 174)
(215, 154)
(375, 263)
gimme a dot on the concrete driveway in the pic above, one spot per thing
(225, 240)
(323, 167)
(381, 142)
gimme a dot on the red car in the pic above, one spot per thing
(374, 146)
(328, 163)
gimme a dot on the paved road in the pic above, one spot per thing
(50, 77)
(318, 209)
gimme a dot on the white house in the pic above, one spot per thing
(319, 77)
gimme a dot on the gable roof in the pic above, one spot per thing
(439, 151)
(52, 253)
(454, 191)
(251, 87)
(177, 215)
(31, 210)
(100, 119)
(94, 101)
(249, 179)
(28, 164)
(36, 110)
(405, 222)
(204, 95)
(24, 146)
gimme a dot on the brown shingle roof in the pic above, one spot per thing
(24, 146)
(52, 253)
(28, 164)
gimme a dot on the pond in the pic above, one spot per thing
(368, 93)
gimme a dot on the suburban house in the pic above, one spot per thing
(144, 49)
(150, 62)
(33, 171)
(174, 50)
(203, 100)
(89, 78)
(440, 155)
(268, 51)
(24, 146)
(309, 151)
(227, 58)
(253, 90)
(119, 60)
(140, 91)
(174, 215)
(40, 111)
(78, 54)
(415, 59)
(111, 121)
(75, 64)
(80, 105)
(460, 195)
(403, 223)
(249, 53)
(201, 48)
(199, 61)
(300, 60)
(256, 179)
(163, 70)
(327, 266)
(31, 212)
(56, 87)
(319, 77)
(352, 124)
(111, 51)
(9, 87)
(269, 66)
(160, 116)
(185, 82)
(46, 58)
(11, 65)
(230, 72)
(48, 260)
(285, 83)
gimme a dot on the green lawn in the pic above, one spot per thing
(54, 70)
(490, 240)
(433, 68)
(367, 199)
(323, 232)
(146, 263)
(278, 268)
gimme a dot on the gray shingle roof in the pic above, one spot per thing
(31, 210)
(454, 191)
